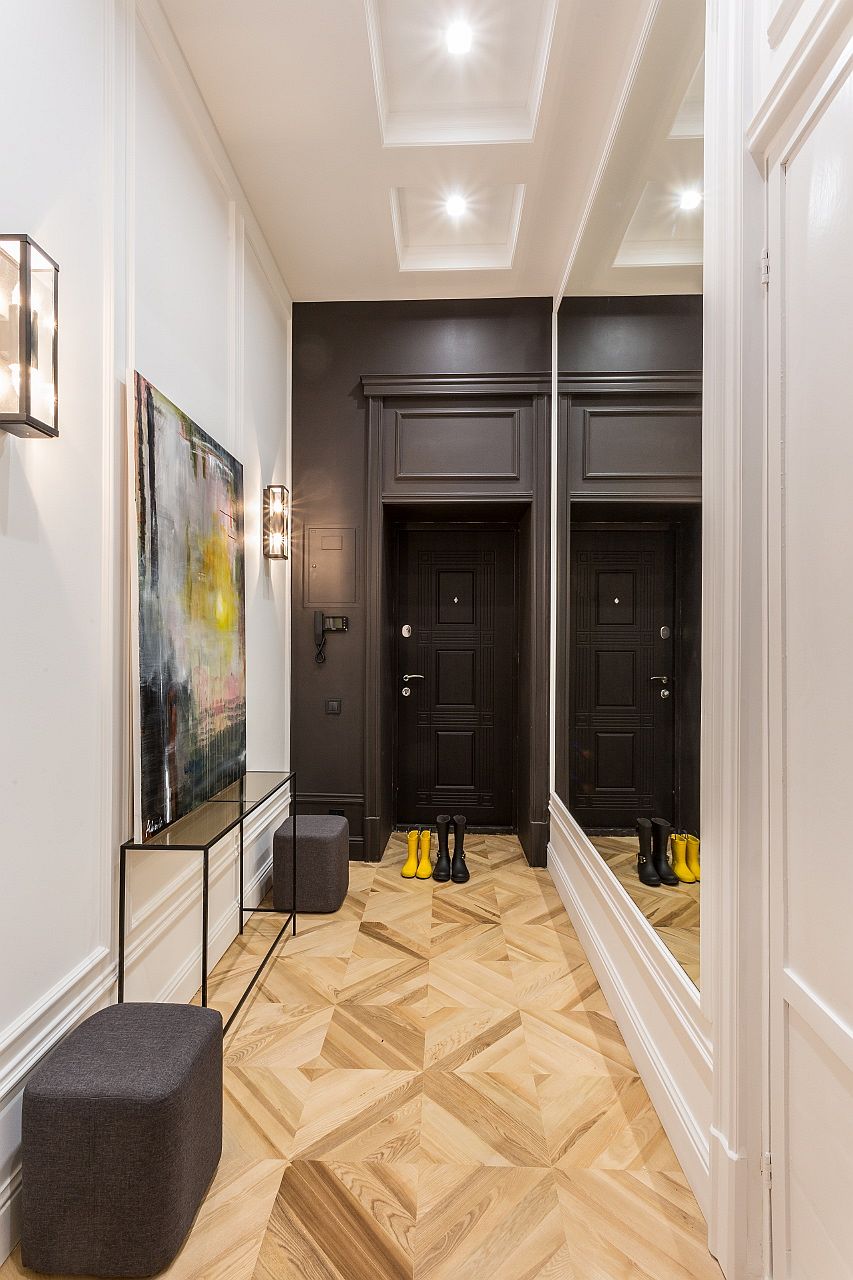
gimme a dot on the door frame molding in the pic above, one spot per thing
(734, 635)
(533, 826)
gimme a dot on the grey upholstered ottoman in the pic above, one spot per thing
(322, 872)
(122, 1133)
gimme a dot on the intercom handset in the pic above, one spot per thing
(324, 624)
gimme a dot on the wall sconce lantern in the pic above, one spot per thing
(276, 522)
(29, 297)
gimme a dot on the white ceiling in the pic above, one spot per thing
(349, 124)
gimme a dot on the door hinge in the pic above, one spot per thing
(766, 1170)
(765, 266)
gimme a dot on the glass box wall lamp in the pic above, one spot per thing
(29, 295)
(276, 522)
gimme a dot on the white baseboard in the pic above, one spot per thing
(10, 1213)
(652, 1000)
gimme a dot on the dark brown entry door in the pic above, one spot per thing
(455, 725)
(621, 699)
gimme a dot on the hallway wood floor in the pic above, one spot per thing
(429, 1084)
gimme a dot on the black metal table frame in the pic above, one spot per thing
(135, 846)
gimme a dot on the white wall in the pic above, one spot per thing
(183, 250)
(113, 165)
(266, 459)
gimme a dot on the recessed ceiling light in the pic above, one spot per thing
(459, 37)
(456, 206)
(690, 200)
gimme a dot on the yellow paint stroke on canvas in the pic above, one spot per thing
(210, 593)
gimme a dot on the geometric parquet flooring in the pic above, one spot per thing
(429, 1084)
(673, 912)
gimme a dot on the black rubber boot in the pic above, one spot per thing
(660, 862)
(441, 871)
(459, 873)
(645, 867)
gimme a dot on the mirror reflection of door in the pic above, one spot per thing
(456, 675)
(633, 693)
(622, 700)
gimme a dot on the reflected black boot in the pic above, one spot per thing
(441, 871)
(459, 873)
(660, 862)
(645, 868)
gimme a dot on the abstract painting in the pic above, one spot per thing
(190, 682)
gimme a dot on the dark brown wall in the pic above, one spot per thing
(630, 335)
(334, 345)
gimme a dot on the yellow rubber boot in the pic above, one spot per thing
(693, 856)
(411, 864)
(424, 871)
(679, 861)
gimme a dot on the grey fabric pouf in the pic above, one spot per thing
(322, 871)
(122, 1133)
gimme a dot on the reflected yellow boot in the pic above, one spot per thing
(424, 871)
(693, 856)
(411, 864)
(679, 862)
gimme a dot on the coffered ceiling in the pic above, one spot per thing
(450, 148)
(427, 95)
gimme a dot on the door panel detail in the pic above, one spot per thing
(454, 759)
(810, 456)
(614, 761)
(616, 678)
(455, 678)
(615, 594)
(455, 598)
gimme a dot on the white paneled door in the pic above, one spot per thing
(810, 514)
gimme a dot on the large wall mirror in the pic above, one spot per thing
(630, 485)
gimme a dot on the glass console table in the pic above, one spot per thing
(198, 832)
